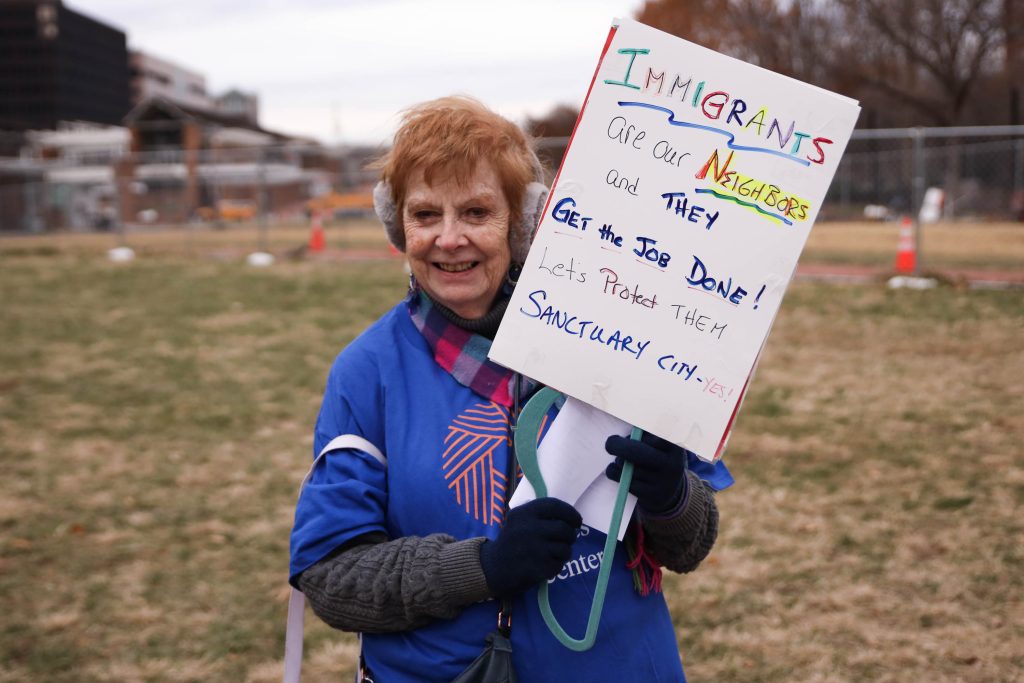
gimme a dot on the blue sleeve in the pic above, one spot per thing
(716, 474)
(346, 495)
(353, 400)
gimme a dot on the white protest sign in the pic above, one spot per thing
(672, 231)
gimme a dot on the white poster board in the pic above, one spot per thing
(673, 228)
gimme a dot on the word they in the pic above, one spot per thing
(687, 211)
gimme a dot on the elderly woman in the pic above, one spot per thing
(402, 532)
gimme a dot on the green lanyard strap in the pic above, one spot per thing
(526, 436)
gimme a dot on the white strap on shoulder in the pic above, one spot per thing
(353, 441)
(295, 628)
(345, 441)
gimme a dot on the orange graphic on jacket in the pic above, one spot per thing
(469, 463)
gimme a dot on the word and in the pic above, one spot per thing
(669, 363)
(699, 277)
(753, 192)
(613, 287)
(587, 330)
(625, 133)
(561, 270)
(713, 106)
(694, 319)
(688, 211)
(564, 213)
(622, 182)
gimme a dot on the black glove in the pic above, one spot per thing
(659, 470)
(533, 546)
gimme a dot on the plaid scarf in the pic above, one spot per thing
(463, 354)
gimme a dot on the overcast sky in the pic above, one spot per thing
(342, 69)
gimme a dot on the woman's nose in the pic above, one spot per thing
(452, 234)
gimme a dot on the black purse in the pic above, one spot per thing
(494, 664)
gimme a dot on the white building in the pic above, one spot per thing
(155, 77)
(81, 144)
(77, 164)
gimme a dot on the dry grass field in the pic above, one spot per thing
(976, 246)
(980, 246)
(155, 422)
(200, 241)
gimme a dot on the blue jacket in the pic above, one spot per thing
(447, 450)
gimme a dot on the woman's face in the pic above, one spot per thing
(456, 239)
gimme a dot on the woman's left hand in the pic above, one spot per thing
(659, 470)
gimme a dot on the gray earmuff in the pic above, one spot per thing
(520, 236)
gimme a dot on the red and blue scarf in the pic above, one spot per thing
(462, 353)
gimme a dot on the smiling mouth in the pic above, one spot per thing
(456, 267)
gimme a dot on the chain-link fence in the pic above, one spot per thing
(980, 170)
(107, 189)
(83, 187)
(885, 173)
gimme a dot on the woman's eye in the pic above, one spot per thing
(425, 215)
(477, 212)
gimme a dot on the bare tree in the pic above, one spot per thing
(1013, 23)
(556, 123)
(551, 131)
(699, 21)
(791, 39)
(935, 50)
(908, 61)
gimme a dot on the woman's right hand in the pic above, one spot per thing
(533, 546)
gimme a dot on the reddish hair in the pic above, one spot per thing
(449, 137)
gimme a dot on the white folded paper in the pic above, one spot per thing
(572, 460)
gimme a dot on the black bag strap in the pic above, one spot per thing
(505, 611)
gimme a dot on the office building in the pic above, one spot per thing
(59, 65)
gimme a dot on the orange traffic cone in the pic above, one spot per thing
(906, 253)
(316, 236)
